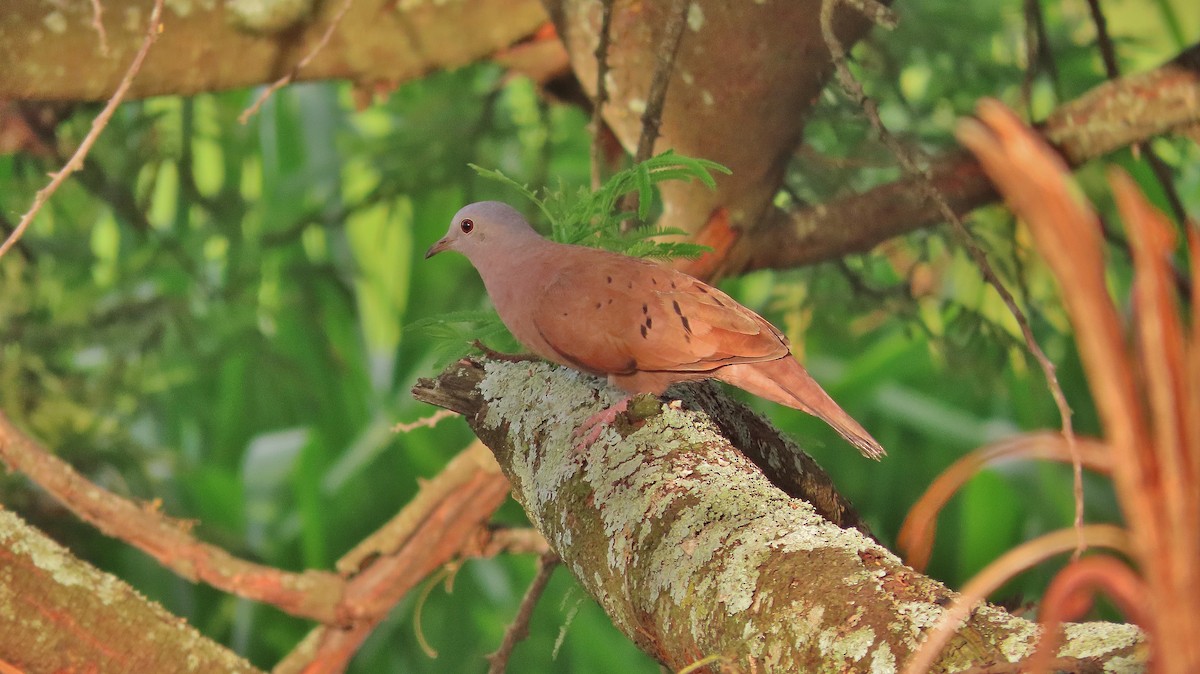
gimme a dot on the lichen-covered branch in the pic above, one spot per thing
(61, 614)
(695, 554)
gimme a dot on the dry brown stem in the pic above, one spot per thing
(916, 536)
(1071, 593)
(1142, 392)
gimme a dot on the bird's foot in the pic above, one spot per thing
(637, 407)
(589, 431)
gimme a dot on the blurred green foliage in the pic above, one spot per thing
(212, 315)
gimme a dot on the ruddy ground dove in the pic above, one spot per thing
(642, 325)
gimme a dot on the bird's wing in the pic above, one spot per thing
(611, 314)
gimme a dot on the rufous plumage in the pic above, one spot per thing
(642, 325)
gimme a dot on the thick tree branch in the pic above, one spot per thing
(694, 553)
(50, 50)
(1111, 116)
(63, 615)
(312, 594)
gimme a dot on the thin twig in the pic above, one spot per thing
(910, 166)
(424, 422)
(656, 97)
(1108, 53)
(491, 541)
(76, 161)
(98, 24)
(6, 229)
(668, 47)
(606, 7)
(703, 662)
(519, 628)
(1038, 55)
(876, 12)
(291, 75)
(446, 573)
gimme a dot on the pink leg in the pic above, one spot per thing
(594, 425)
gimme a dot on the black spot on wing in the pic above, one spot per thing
(682, 319)
(643, 332)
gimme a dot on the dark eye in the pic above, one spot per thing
(466, 225)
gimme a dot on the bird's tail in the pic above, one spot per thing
(785, 381)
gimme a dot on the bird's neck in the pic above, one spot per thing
(513, 272)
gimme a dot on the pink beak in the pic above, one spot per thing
(438, 247)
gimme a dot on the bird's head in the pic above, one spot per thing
(481, 227)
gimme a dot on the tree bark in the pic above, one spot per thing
(694, 553)
(51, 51)
(743, 80)
(61, 614)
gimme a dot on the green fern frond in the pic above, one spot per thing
(591, 218)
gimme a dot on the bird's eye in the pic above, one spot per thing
(466, 225)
